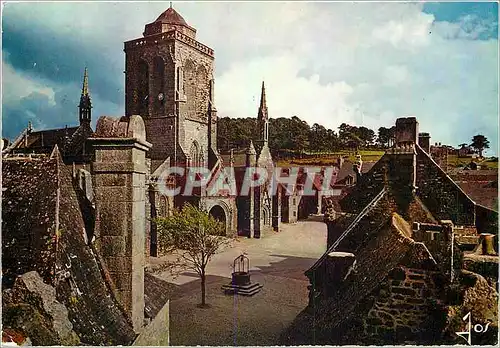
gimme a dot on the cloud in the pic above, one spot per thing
(360, 63)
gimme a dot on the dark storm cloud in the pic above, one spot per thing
(41, 111)
(61, 58)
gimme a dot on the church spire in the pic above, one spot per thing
(263, 118)
(85, 105)
(85, 88)
(263, 104)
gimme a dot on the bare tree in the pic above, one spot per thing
(193, 236)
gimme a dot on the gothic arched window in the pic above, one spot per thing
(158, 82)
(202, 90)
(195, 154)
(190, 88)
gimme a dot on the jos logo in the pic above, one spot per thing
(478, 328)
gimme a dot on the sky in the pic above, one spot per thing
(360, 63)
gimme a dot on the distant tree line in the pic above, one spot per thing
(297, 135)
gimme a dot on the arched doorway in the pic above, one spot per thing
(219, 214)
(266, 216)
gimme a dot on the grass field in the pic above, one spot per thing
(328, 159)
(487, 163)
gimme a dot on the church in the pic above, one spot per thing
(79, 204)
(169, 83)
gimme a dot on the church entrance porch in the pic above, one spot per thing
(217, 212)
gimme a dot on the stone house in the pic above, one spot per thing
(406, 262)
(69, 242)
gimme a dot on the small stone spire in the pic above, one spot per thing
(85, 88)
(231, 158)
(251, 155)
(263, 118)
(85, 105)
(263, 105)
(251, 149)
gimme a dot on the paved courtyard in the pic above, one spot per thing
(277, 261)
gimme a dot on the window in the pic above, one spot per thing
(158, 81)
(142, 102)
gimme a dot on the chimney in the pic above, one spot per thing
(340, 161)
(406, 130)
(357, 167)
(119, 175)
(424, 140)
(401, 159)
(485, 245)
(339, 265)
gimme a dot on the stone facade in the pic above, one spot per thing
(403, 305)
(399, 279)
(169, 83)
(119, 182)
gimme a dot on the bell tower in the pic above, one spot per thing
(169, 82)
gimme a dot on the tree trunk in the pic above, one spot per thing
(203, 278)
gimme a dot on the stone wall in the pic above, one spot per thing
(191, 132)
(440, 194)
(406, 130)
(403, 306)
(228, 205)
(182, 73)
(119, 182)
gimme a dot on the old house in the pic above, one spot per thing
(72, 254)
(394, 271)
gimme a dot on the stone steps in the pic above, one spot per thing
(244, 290)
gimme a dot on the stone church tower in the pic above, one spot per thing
(169, 82)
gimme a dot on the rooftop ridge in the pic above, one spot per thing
(353, 224)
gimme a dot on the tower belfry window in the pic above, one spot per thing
(143, 89)
(158, 84)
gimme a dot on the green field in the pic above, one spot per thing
(328, 159)
(487, 163)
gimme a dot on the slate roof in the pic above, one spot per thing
(380, 239)
(171, 16)
(480, 185)
(43, 229)
(70, 140)
(156, 294)
(377, 251)
(347, 170)
(44, 141)
(29, 192)
(439, 193)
